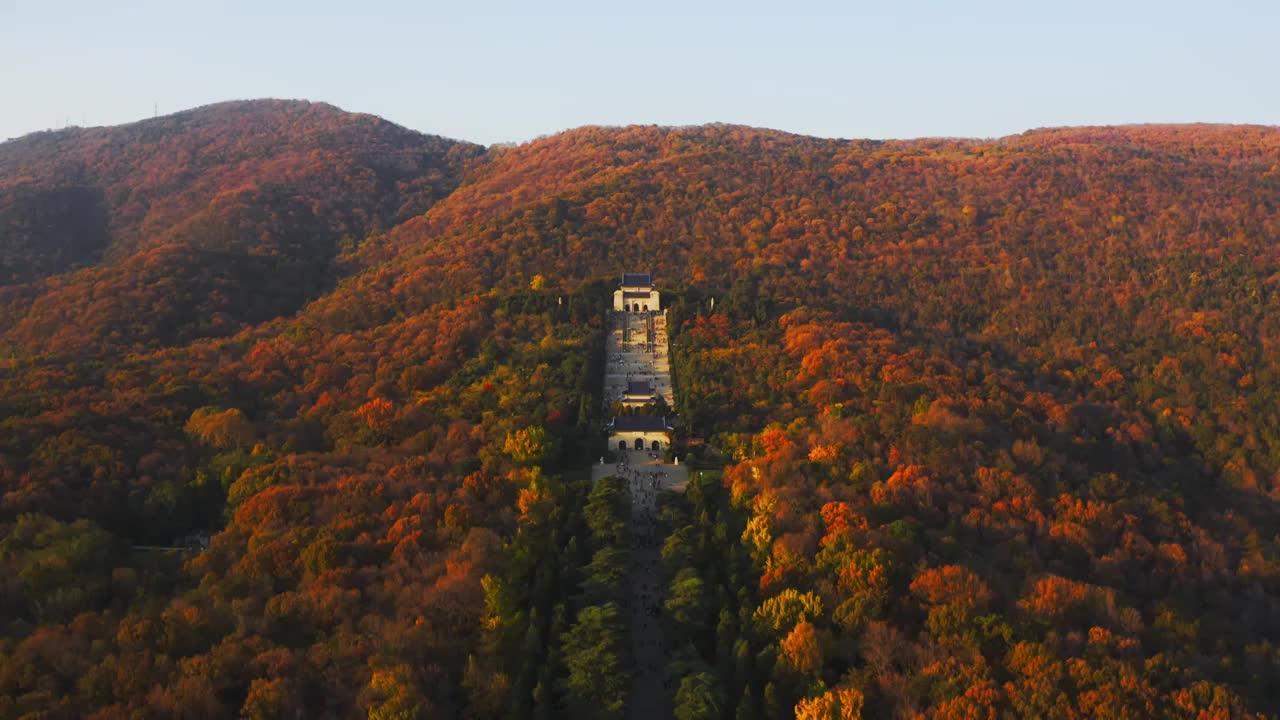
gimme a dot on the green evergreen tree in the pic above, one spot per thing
(596, 681)
(747, 708)
(699, 697)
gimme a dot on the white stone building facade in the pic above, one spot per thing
(636, 294)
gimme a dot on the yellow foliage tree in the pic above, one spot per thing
(801, 651)
(222, 430)
(837, 704)
(392, 695)
(788, 608)
(527, 446)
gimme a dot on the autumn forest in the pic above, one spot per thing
(298, 409)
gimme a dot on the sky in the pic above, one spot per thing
(490, 71)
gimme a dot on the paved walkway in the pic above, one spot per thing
(647, 476)
(637, 349)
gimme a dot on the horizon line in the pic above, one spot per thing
(673, 126)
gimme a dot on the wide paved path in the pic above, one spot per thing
(637, 349)
(646, 476)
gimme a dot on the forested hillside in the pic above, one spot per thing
(201, 223)
(983, 428)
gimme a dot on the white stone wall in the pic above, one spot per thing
(664, 439)
(654, 301)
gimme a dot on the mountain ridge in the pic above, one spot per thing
(979, 428)
(247, 181)
(258, 104)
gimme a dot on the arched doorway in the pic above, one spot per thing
(622, 444)
(639, 443)
(635, 307)
(646, 307)
(656, 445)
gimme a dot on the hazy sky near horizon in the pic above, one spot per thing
(491, 71)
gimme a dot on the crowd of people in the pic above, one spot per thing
(645, 480)
(655, 345)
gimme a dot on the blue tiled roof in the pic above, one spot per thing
(639, 423)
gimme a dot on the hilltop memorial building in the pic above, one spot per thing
(636, 294)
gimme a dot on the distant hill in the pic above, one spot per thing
(983, 428)
(244, 205)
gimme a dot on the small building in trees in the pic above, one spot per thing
(636, 294)
(639, 433)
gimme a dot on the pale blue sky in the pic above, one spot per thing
(491, 71)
